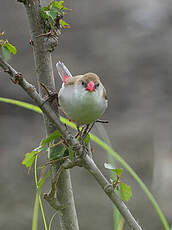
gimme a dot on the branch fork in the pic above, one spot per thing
(51, 196)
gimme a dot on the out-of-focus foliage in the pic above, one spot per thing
(52, 16)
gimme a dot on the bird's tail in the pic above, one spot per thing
(63, 71)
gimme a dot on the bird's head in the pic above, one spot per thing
(89, 81)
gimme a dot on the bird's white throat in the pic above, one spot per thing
(82, 106)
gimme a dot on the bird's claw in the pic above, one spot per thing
(50, 95)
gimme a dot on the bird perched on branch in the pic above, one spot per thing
(82, 98)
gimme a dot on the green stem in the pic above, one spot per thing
(37, 202)
(42, 212)
(35, 213)
(21, 104)
(52, 218)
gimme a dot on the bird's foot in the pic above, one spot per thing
(50, 95)
(83, 133)
(88, 128)
(102, 121)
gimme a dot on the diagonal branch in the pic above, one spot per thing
(90, 165)
(87, 161)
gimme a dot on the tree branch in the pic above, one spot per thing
(87, 162)
(42, 48)
(90, 165)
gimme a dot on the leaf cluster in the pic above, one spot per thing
(124, 189)
(58, 150)
(45, 144)
(7, 48)
(52, 16)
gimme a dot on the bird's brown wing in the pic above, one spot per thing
(104, 93)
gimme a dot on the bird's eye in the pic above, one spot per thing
(97, 85)
(84, 83)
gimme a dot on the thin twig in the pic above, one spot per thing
(90, 165)
(61, 159)
(46, 89)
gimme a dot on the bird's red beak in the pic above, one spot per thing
(90, 86)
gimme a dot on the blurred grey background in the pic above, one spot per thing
(129, 45)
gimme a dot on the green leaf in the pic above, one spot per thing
(6, 53)
(53, 14)
(51, 137)
(10, 47)
(43, 179)
(71, 153)
(44, 9)
(125, 191)
(59, 12)
(50, 18)
(29, 159)
(87, 139)
(7, 49)
(43, 12)
(66, 8)
(64, 24)
(48, 15)
(118, 171)
(56, 152)
(57, 4)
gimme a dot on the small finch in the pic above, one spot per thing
(82, 98)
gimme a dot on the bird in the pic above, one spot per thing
(82, 98)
